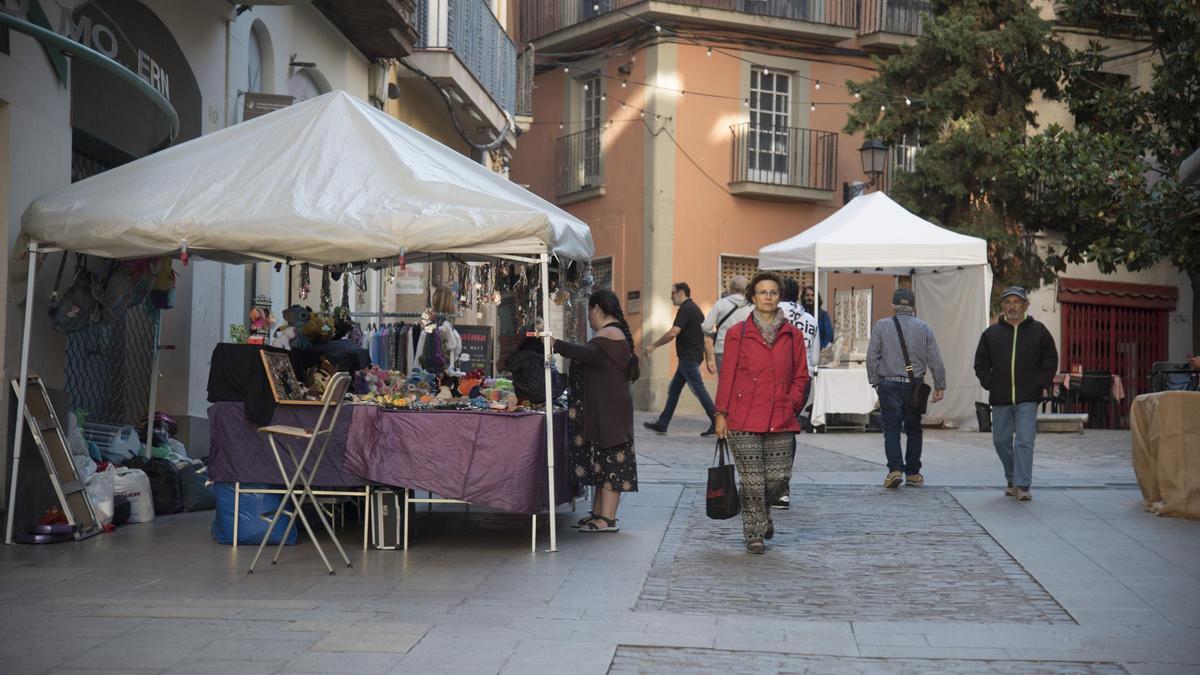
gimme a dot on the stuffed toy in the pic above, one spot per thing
(288, 336)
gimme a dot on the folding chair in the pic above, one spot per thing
(303, 472)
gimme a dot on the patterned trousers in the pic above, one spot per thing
(764, 463)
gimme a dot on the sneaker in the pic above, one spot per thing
(783, 502)
(914, 479)
(711, 431)
(894, 478)
(1023, 495)
(1010, 491)
(756, 546)
(655, 427)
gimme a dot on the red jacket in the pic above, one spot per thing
(761, 388)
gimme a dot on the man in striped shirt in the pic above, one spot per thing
(887, 372)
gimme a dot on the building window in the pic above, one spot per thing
(732, 266)
(770, 118)
(602, 273)
(1092, 111)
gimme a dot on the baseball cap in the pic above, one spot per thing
(1015, 290)
(904, 297)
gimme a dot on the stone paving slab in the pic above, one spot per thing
(846, 553)
(651, 659)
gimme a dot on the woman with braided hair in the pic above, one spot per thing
(601, 411)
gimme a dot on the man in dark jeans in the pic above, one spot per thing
(887, 372)
(689, 347)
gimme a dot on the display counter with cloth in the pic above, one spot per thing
(1165, 448)
(842, 391)
(489, 458)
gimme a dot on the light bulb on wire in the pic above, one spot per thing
(657, 28)
(708, 52)
(812, 107)
(624, 83)
(907, 101)
(817, 85)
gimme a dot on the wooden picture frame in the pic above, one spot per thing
(286, 388)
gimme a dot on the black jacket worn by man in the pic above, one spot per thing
(1015, 363)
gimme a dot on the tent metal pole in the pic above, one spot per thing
(548, 345)
(22, 388)
(153, 381)
(817, 307)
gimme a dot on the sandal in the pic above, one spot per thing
(585, 520)
(610, 525)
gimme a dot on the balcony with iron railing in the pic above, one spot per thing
(557, 24)
(884, 25)
(463, 47)
(783, 163)
(380, 29)
(578, 166)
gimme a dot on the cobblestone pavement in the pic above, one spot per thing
(846, 553)
(662, 659)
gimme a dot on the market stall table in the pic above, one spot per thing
(496, 459)
(842, 390)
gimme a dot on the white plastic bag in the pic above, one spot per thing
(84, 467)
(101, 488)
(134, 485)
(125, 444)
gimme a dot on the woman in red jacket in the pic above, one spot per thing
(759, 392)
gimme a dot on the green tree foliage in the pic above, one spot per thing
(1112, 184)
(971, 79)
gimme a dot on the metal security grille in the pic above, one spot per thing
(108, 367)
(732, 266)
(602, 273)
(1125, 341)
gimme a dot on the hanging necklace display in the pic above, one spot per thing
(305, 282)
(360, 288)
(345, 306)
(326, 291)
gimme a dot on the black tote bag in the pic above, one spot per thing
(721, 500)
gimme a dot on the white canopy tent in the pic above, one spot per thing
(951, 278)
(331, 180)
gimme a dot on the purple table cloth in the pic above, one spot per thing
(240, 454)
(494, 459)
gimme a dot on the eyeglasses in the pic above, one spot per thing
(767, 294)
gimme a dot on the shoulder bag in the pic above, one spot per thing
(918, 401)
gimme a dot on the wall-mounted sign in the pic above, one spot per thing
(633, 302)
(255, 104)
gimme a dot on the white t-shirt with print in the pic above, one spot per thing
(807, 325)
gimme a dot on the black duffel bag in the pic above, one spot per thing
(165, 486)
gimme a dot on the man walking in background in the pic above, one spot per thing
(888, 371)
(1016, 361)
(689, 347)
(824, 323)
(726, 312)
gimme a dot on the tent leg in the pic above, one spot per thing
(153, 382)
(817, 310)
(21, 392)
(548, 343)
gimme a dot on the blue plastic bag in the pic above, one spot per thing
(251, 523)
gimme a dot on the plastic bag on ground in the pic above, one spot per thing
(125, 444)
(101, 491)
(251, 523)
(134, 485)
(75, 441)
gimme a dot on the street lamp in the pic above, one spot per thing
(874, 154)
(874, 158)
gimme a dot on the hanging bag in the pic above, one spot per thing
(79, 307)
(721, 500)
(918, 400)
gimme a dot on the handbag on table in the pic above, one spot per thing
(721, 499)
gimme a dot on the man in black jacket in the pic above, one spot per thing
(1016, 360)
